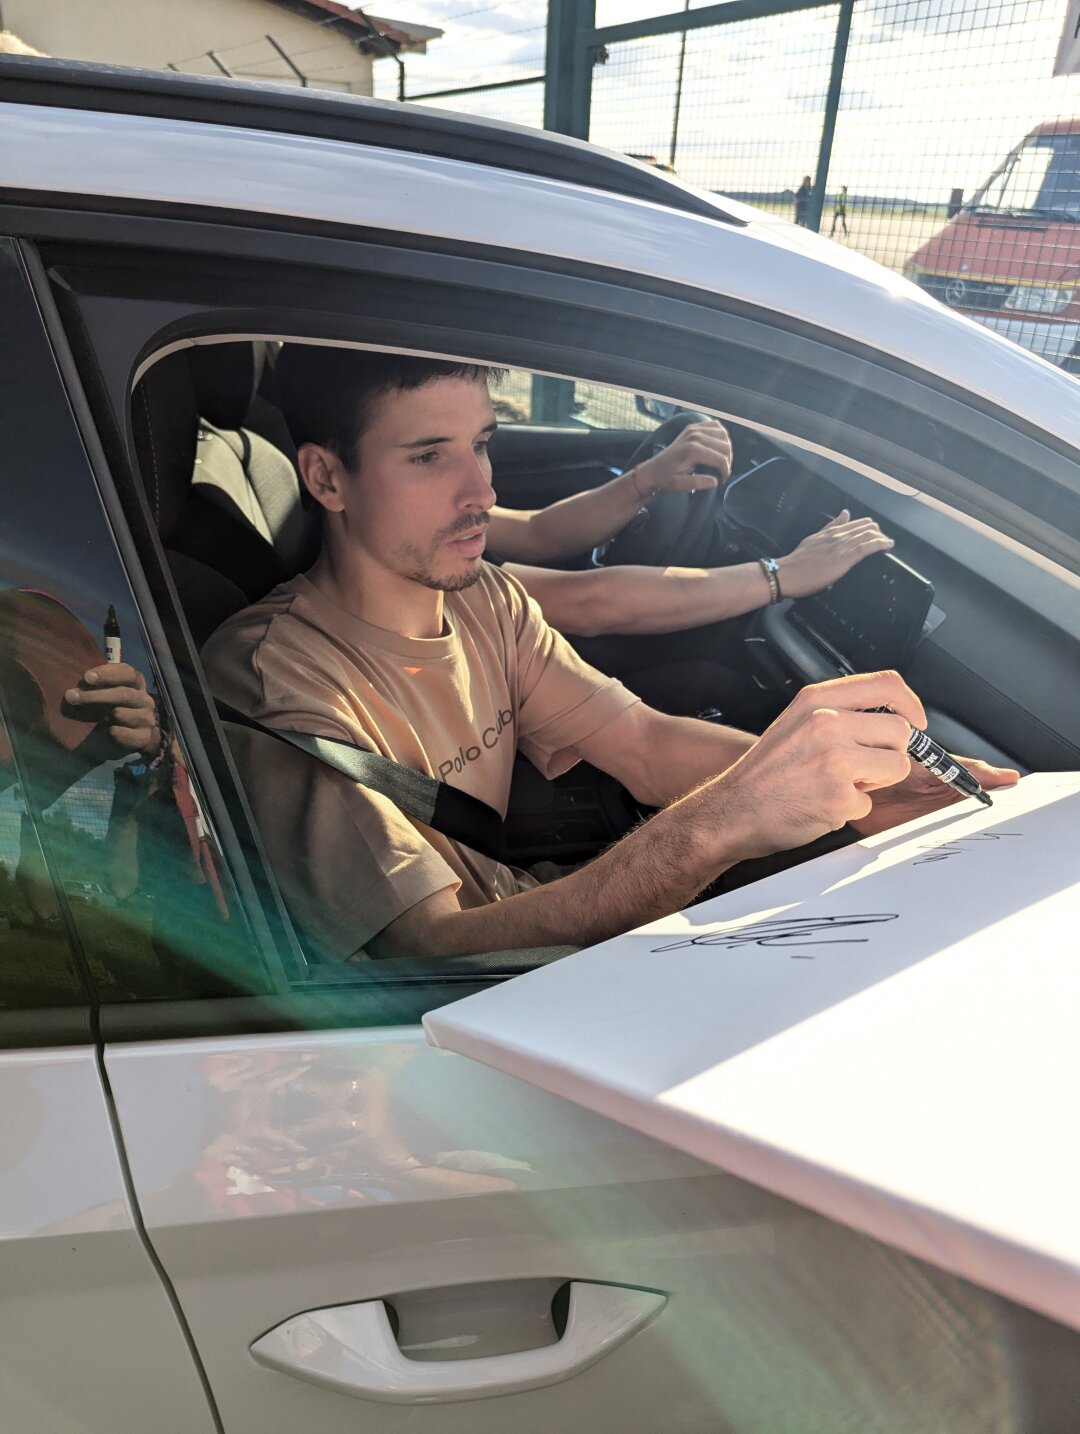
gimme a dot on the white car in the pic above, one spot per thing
(208, 1129)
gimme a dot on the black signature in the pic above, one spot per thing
(954, 847)
(786, 931)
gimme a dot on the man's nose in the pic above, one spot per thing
(477, 490)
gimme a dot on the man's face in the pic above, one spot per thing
(417, 502)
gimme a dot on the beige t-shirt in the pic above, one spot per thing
(457, 707)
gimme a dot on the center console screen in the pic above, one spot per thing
(872, 616)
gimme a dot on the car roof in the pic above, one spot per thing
(456, 180)
(355, 119)
(1061, 126)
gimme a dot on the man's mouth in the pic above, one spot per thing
(471, 543)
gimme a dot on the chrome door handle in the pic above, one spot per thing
(352, 1349)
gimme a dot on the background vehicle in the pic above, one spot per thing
(211, 1131)
(1011, 257)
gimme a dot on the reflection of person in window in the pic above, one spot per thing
(149, 794)
(124, 721)
(54, 737)
(402, 640)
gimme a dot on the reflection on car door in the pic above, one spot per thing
(91, 1338)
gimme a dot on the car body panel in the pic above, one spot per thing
(1002, 251)
(284, 1174)
(90, 1338)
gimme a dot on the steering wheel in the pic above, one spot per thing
(671, 527)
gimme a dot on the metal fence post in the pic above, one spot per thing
(567, 100)
(832, 106)
(568, 66)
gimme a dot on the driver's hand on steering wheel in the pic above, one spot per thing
(825, 556)
(678, 467)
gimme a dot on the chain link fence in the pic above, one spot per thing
(955, 155)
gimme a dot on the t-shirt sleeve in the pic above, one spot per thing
(348, 862)
(561, 700)
(264, 672)
(346, 859)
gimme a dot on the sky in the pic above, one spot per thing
(936, 91)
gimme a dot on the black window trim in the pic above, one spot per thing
(191, 230)
(518, 281)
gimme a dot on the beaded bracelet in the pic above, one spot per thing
(772, 577)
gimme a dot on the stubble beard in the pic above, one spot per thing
(448, 582)
(419, 567)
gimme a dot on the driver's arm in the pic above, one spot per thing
(643, 600)
(580, 522)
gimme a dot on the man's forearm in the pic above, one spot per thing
(658, 868)
(632, 599)
(566, 528)
(685, 752)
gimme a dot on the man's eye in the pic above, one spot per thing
(481, 445)
(424, 460)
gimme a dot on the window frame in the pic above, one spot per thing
(172, 281)
(269, 944)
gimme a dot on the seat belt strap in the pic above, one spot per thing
(448, 810)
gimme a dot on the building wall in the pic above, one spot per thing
(155, 33)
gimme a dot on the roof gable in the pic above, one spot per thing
(402, 36)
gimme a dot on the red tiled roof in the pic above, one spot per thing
(401, 34)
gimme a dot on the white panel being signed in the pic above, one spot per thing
(887, 1034)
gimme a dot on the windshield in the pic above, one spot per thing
(1041, 177)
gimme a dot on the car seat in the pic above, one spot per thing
(226, 502)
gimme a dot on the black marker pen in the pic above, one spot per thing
(112, 636)
(933, 756)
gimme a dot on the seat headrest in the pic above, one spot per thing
(226, 377)
(164, 421)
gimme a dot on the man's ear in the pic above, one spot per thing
(322, 471)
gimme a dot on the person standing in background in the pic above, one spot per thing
(803, 196)
(839, 214)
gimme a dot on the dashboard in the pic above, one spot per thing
(871, 618)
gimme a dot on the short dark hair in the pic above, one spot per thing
(327, 394)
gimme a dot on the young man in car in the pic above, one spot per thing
(403, 640)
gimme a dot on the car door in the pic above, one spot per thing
(92, 1335)
(295, 1146)
(363, 1230)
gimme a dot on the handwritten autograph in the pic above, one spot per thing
(955, 846)
(786, 931)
